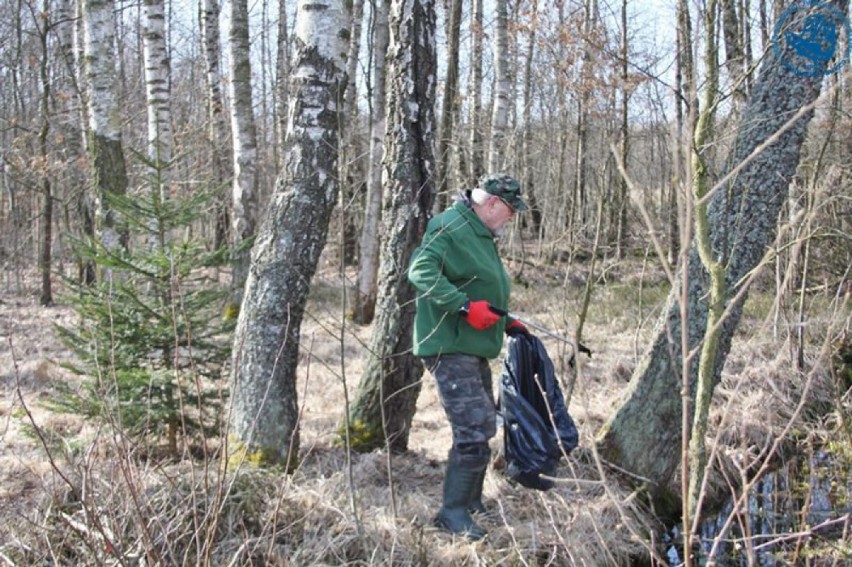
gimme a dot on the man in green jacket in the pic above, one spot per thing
(462, 287)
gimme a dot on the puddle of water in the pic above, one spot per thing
(781, 508)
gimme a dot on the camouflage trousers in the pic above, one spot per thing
(467, 394)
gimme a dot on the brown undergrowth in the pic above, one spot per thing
(76, 493)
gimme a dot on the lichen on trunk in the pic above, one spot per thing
(643, 435)
(264, 421)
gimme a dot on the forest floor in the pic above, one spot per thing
(73, 493)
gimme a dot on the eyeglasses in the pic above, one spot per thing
(505, 202)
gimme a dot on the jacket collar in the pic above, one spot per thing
(464, 207)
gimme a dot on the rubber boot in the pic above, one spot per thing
(476, 506)
(459, 484)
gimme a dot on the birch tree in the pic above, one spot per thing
(217, 128)
(264, 419)
(282, 66)
(368, 265)
(742, 212)
(502, 88)
(350, 173)
(448, 101)
(387, 394)
(106, 154)
(476, 159)
(158, 98)
(244, 133)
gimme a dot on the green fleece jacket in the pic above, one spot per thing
(457, 261)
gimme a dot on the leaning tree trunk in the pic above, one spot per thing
(643, 435)
(712, 265)
(264, 420)
(244, 133)
(368, 256)
(105, 148)
(389, 387)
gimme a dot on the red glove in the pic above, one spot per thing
(515, 328)
(479, 314)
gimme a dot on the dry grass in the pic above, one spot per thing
(97, 503)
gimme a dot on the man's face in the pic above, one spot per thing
(496, 214)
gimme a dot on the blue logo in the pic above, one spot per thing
(812, 38)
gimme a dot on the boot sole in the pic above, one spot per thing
(474, 533)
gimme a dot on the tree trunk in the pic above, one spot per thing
(46, 296)
(745, 27)
(734, 52)
(73, 127)
(502, 89)
(387, 395)
(526, 157)
(350, 172)
(642, 435)
(282, 66)
(584, 97)
(105, 147)
(368, 266)
(244, 133)
(683, 100)
(217, 128)
(158, 99)
(711, 264)
(448, 103)
(476, 160)
(264, 420)
(620, 208)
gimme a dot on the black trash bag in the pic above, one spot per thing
(537, 429)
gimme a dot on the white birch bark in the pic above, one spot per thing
(502, 88)
(244, 133)
(446, 139)
(264, 419)
(476, 161)
(105, 147)
(368, 266)
(69, 68)
(282, 66)
(158, 99)
(350, 107)
(218, 138)
(350, 162)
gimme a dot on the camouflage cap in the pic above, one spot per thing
(506, 187)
